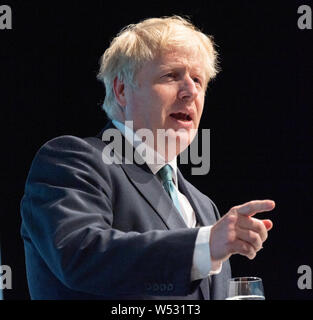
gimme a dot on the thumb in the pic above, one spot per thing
(268, 224)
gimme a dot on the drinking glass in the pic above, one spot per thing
(245, 288)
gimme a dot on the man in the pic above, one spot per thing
(95, 229)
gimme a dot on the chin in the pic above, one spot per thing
(182, 139)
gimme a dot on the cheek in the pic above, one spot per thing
(161, 100)
(200, 106)
(165, 94)
(152, 109)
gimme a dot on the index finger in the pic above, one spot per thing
(252, 207)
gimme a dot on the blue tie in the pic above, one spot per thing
(166, 175)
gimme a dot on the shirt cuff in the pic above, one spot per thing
(203, 266)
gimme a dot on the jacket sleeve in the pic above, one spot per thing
(67, 212)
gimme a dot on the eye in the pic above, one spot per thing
(197, 80)
(170, 75)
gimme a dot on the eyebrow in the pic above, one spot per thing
(180, 66)
(176, 66)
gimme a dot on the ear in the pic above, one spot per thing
(119, 91)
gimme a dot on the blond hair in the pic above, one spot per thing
(138, 43)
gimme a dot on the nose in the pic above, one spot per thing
(188, 89)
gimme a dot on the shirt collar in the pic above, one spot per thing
(136, 142)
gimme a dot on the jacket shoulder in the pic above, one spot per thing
(69, 142)
(67, 152)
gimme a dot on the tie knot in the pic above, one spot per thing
(166, 173)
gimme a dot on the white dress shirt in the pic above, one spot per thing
(202, 265)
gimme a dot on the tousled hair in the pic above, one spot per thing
(138, 43)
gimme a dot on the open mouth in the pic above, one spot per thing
(181, 116)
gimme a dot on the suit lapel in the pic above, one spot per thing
(147, 184)
(152, 191)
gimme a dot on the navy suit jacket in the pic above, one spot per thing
(108, 231)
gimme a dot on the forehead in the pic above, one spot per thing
(185, 56)
(189, 58)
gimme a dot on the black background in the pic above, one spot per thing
(258, 110)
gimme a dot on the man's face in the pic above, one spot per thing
(170, 95)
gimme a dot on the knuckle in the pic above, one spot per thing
(256, 241)
(259, 226)
(231, 237)
(246, 248)
(260, 229)
(231, 218)
(253, 236)
(251, 254)
(263, 235)
(249, 251)
(233, 210)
